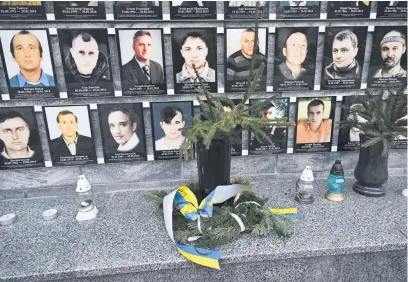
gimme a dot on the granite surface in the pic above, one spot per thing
(129, 236)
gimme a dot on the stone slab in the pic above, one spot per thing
(129, 237)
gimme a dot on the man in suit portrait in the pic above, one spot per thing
(27, 52)
(122, 125)
(141, 69)
(70, 143)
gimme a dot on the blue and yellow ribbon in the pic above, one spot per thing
(188, 204)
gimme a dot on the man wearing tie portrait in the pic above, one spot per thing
(141, 70)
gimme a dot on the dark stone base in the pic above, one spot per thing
(368, 191)
(302, 200)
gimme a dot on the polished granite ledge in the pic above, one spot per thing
(129, 236)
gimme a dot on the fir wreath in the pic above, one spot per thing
(222, 228)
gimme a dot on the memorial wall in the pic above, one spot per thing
(96, 83)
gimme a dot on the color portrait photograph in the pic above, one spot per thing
(141, 55)
(28, 63)
(70, 135)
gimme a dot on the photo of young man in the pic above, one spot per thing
(168, 120)
(70, 135)
(28, 62)
(196, 48)
(388, 57)
(20, 145)
(270, 111)
(343, 57)
(296, 58)
(122, 132)
(86, 63)
(141, 54)
(79, 10)
(240, 48)
(314, 124)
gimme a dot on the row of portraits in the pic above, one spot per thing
(138, 10)
(71, 136)
(85, 53)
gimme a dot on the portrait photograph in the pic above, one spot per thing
(269, 111)
(348, 9)
(314, 124)
(343, 59)
(122, 129)
(194, 47)
(22, 10)
(20, 145)
(79, 10)
(298, 10)
(388, 63)
(180, 10)
(245, 9)
(295, 58)
(28, 63)
(168, 122)
(240, 48)
(391, 9)
(349, 137)
(70, 135)
(141, 56)
(138, 10)
(86, 60)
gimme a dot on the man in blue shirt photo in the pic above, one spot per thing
(27, 52)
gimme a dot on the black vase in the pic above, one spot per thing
(372, 169)
(214, 164)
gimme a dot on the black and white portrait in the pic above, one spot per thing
(240, 49)
(86, 61)
(20, 145)
(298, 9)
(193, 10)
(392, 9)
(343, 59)
(348, 9)
(142, 61)
(168, 122)
(295, 58)
(388, 64)
(138, 10)
(70, 135)
(79, 10)
(28, 63)
(245, 9)
(122, 129)
(270, 111)
(194, 50)
(22, 10)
